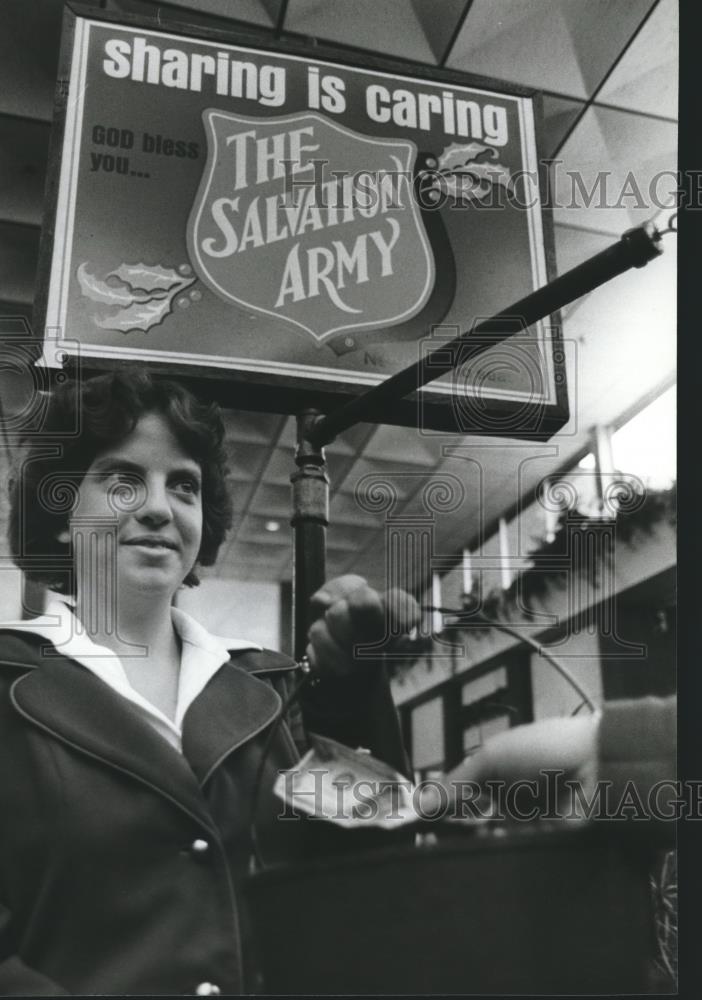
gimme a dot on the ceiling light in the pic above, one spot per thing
(272, 526)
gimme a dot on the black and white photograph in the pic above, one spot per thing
(339, 498)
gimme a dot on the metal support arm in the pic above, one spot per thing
(635, 249)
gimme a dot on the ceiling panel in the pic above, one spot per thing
(391, 28)
(338, 467)
(394, 473)
(630, 159)
(274, 499)
(241, 493)
(574, 245)
(280, 465)
(626, 333)
(351, 537)
(261, 13)
(246, 461)
(253, 529)
(345, 509)
(389, 444)
(242, 10)
(565, 46)
(254, 428)
(646, 79)
(559, 115)
(440, 21)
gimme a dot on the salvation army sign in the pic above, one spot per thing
(348, 254)
(296, 225)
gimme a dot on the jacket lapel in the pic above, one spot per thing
(68, 701)
(233, 708)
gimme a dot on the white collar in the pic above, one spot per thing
(59, 625)
(202, 655)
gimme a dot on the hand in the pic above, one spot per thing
(524, 753)
(568, 744)
(351, 614)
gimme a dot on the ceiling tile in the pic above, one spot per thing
(338, 467)
(439, 19)
(559, 113)
(253, 530)
(627, 160)
(646, 79)
(339, 446)
(240, 493)
(345, 509)
(565, 46)
(626, 334)
(288, 434)
(280, 467)
(394, 473)
(245, 460)
(391, 28)
(253, 11)
(255, 428)
(274, 499)
(349, 538)
(575, 245)
(389, 443)
(357, 437)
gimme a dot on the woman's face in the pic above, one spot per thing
(147, 491)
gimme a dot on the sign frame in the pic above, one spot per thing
(252, 389)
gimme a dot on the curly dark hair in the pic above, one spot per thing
(105, 409)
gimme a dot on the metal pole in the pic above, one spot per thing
(310, 490)
(635, 249)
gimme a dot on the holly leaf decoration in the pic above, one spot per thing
(139, 316)
(99, 291)
(150, 277)
(468, 171)
(457, 155)
(144, 295)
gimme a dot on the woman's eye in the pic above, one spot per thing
(125, 490)
(117, 480)
(187, 486)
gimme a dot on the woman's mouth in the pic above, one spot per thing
(155, 544)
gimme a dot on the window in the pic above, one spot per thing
(645, 445)
(494, 700)
(428, 736)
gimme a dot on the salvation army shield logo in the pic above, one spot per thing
(299, 218)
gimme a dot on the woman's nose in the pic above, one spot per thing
(156, 505)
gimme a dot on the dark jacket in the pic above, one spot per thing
(120, 859)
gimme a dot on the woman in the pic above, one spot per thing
(130, 738)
